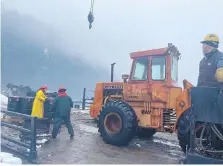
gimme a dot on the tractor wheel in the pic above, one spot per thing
(183, 130)
(146, 132)
(117, 123)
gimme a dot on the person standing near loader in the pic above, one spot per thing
(211, 66)
(38, 104)
(62, 106)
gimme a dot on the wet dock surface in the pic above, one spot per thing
(87, 147)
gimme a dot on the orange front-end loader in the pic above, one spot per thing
(148, 101)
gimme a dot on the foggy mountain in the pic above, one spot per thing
(30, 57)
(120, 27)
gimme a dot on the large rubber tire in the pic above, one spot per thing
(128, 121)
(145, 132)
(183, 130)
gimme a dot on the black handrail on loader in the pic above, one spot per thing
(206, 107)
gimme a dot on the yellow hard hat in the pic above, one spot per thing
(211, 39)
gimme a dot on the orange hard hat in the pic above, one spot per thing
(61, 88)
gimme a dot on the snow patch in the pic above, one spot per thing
(167, 136)
(81, 111)
(8, 159)
(41, 141)
(168, 143)
(175, 152)
(5, 164)
(43, 135)
(138, 145)
(4, 99)
(37, 147)
(4, 102)
(5, 155)
(88, 129)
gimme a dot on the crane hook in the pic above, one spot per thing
(90, 19)
(90, 15)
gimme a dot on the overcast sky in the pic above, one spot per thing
(124, 26)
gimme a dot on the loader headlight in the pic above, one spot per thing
(182, 103)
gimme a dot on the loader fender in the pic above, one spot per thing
(183, 102)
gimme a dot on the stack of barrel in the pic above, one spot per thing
(42, 125)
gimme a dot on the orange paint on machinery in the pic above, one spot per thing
(151, 90)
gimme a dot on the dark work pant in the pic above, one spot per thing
(57, 124)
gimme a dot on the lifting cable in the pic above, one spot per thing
(90, 15)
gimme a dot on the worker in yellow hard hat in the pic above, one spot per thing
(211, 66)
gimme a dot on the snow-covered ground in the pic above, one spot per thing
(4, 102)
(8, 159)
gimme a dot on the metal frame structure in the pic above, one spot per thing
(32, 146)
(205, 108)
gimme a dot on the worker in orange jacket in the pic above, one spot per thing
(38, 104)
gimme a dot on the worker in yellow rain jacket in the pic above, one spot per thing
(38, 104)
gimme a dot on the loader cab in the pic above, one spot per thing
(155, 66)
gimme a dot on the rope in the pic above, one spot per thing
(92, 7)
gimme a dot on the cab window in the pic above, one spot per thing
(174, 68)
(140, 70)
(158, 68)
